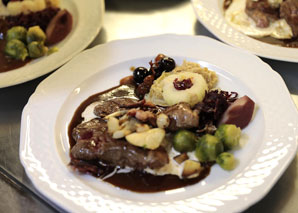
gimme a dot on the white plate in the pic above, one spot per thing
(87, 21)
(269, 147)
(210, 14)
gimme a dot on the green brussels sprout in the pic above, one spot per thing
(208, 148)
(17, 32)
(184, 141)
(226, 161)
(16, 49)
(37, 49)
(35, 34)
(229, 134)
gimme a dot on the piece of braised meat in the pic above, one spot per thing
(182, 117)
(93, 142)
(261, 12)
(107, 107)
(289, 11)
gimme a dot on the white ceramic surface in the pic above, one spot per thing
(210, 13)
(87, 21)
(269, 143)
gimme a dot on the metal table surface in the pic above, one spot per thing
(124, 19)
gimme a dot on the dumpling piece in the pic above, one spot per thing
(192, 94)
(159, 96)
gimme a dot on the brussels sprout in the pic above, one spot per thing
(17, 32)
(35, 34)
(226, 161)
(229, 134)
(208, 148)
(184, 141)
(37, 49)
(16, 49)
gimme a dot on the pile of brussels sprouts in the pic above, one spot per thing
(22, 43)
(210, 148)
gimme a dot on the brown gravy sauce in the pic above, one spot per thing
(136, 181)
(7, 63)
(292, 43)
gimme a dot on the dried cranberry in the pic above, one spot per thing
(182, 85)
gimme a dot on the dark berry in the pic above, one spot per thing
(162, 64)
(167, 63)
(158, 70)
(140, 73)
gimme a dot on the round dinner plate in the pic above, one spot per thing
(210, 13)
(87, 21)
(268, 144)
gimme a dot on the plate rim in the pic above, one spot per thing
(41, 87)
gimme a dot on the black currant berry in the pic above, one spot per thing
(140, 73)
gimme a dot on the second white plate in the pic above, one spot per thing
(87, 21)
(210, 13)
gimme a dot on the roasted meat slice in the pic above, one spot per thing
(261, 12)
(94, 143)
(182, 117)
(107, 107)
(289, 11)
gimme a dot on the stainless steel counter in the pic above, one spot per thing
(124, 19)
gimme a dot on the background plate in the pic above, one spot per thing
(210, 14)
(269, 146)
(87, 21)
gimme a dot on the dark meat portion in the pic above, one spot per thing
(109, 106)
(106, 107)
(182, 117)
(40, 18)
(94, 167)
(91, 129)
(261, 12)
(289, 11)
(94, 143)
